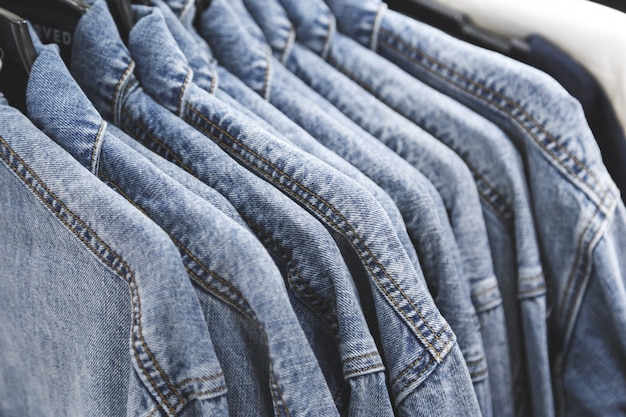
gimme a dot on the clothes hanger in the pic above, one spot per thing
(459, 25)
(17, 55)
(53, 20)
(56, 20)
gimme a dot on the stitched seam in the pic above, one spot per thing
(329, 34)
(179, 162)
(569, 319)
(205, 379)
(195, 393)
(377, 24)
(205, 285)
(214, 81)
(97, 141)
(356, 358)
(181, 92)
(485, 88)
(402, 312)
(475, 362)
(534, 292)
(479, 374)
(488, 290)
(289, 44)
(409, 368)
(438, 354)
(575, 269)
(437, 335)
(330, 315)
(217, 277)
(129, 69)
(368, 368)
(277, 248)
(135, 305)
(374, 93)
(192, 395)
(493, 205)
(200, 282)
(603, 191)
(418, 376)
(533, 278)
(276, 404)
(281, 396)
(498, 200)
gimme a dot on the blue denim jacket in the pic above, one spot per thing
(487, 152)
(447, 293)
(250, 350)
(97, 309)
(451, 121)
(353, 221)
(291, 234)
(228, 88)
(580, 222)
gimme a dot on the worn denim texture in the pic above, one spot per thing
(580, 220)
(95, 300)
(504, 197)
(393, 86)
(442, 274)
(290, 233)
(269, 344)
(583, 86)
(360, 388)
(255, 67)
(355, 335)
(228, 88)
(251, 142)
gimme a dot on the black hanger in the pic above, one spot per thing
(53, 20)
(56, 20)
(459, 25)
(17, 54)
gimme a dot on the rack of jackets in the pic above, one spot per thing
(300, 208)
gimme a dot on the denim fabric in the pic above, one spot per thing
(231, 90)
(181, 176)
(580, 220)
(301, 245)
(582, 85)
(252, 350)
(366, 391)
(356, 219)
(493, 160)
(349, 327)
(401, 190)
(99, 317)
(454, 178)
